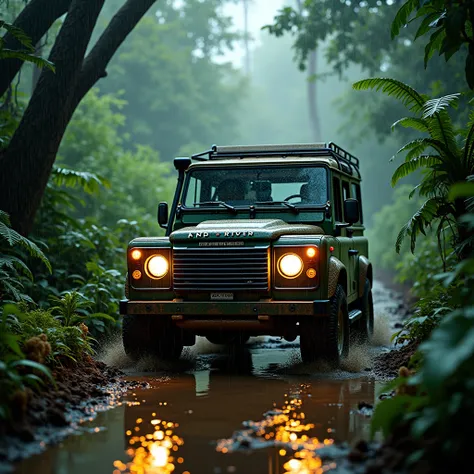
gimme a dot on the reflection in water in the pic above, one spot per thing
(286, 431)
(153, 448)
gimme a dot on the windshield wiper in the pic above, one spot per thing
(286, 203)
(218, 203)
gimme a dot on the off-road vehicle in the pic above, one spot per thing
(260, 240)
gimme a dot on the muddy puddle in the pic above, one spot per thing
(256, 411)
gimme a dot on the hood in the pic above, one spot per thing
(256, 229)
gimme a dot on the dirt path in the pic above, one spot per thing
(257, 411)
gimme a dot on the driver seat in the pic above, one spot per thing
(305, 193)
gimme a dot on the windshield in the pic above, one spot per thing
(256, 186)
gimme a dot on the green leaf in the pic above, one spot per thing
(436, 39)
(401, 18)
(409, 97)
(460, 190)
(89, 182)
(387, 412)
(408, 167)
(34, 365)
(412, 122)
(429, 21)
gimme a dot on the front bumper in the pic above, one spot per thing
(223, 309)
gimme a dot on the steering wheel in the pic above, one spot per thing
(293, 196)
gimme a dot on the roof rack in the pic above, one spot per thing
(343, 157)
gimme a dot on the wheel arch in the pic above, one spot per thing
(365, 272)
(337, 275)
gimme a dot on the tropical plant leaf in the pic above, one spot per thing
(89, 182)
(28, 57)
(408, 167)
(36, 366)
(409, 97)
(434, 106)
(422, 218)
(14, 263)
(401, 18)
(434, 44)
(411, 122)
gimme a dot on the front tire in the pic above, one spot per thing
(327, 338)
(144, 335)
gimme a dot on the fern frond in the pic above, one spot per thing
(5, 218)
(434, 106)
(13, 238)
(408, 167)
(409, 97)
(89, 182)
(418, 222)
(416, 123)
(15, 264)
(28, 57)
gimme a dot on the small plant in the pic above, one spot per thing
(14, 249)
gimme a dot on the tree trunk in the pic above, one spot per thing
(311, 90)
(312, 96)
(28, 160)
(35, 20)
(31, 155)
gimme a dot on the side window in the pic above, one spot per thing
(337, 199)
(345, 191)
(357, 194)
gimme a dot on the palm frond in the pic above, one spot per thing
(434, 106)
(408, 167)
(418, 222)
(89, 182)
(410, 98)
(416, 123)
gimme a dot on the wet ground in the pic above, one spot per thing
(256, 411)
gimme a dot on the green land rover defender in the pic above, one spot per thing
(260, 240)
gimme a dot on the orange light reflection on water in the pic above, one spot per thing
(154, 452)
(285, 430)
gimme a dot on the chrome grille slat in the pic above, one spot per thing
(221, 269)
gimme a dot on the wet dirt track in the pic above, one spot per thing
(258, 411)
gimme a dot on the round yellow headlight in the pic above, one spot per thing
(157, 266)
(290, 265)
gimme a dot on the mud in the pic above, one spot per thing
(80, 392)
(217, 411)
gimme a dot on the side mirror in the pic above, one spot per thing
(351, 211)
(163, 214)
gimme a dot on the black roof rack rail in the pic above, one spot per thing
(346, 160)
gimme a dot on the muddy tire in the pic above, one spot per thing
(149, 336)
(364, 327)
(326, 339)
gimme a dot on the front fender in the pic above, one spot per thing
(337, 273)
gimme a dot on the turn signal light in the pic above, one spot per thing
(136, 275)
(311, 273)
(136, 254)
(311, 252)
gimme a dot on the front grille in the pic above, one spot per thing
(214, 269)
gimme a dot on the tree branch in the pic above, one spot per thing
(114, 35)
(35, 20)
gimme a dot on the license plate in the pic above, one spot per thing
(222, 296)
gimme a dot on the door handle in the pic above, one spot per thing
(353, 251)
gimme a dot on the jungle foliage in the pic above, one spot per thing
(435, 403)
